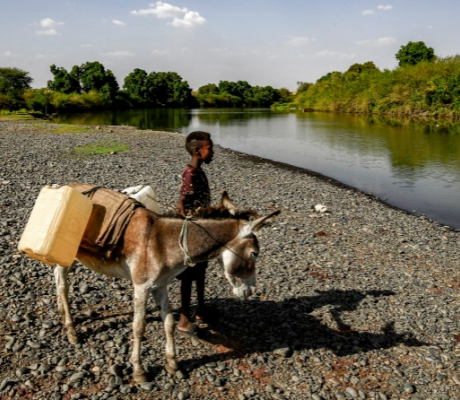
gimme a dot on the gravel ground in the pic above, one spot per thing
(361, 302)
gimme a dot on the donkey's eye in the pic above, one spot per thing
(254, 254)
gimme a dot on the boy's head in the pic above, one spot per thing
(199, 144)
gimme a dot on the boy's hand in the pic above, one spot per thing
(180, 206)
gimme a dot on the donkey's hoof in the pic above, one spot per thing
(72, 337)
(171, 369)
(141, 378)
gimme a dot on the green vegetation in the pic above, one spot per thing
(240, 94)
(105, 147)
(15, 115)
(158, 89)
(423, 85)
(13, 83)
(413, 53)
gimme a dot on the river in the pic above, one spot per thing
(411, 164)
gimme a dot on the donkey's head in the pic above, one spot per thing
(240, 254)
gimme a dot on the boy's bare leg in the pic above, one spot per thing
(201, 313)
(186, 293)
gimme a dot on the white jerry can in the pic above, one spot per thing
(56, 226)
(145, 195)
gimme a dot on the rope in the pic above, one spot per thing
(183, 244)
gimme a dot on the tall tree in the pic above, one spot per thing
(64, 81)
(13, 81)
(93, 76)
(135, 84)
(210, 88)
(359, 68)
(414, 52)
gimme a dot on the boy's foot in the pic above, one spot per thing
(206, 315)
(194, 332)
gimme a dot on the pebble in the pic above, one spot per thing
(409, 388)
(148, 386)
(351, 391)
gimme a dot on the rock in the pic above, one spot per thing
(351, 391)
(22, 371)
(77, 377)
(148, 386)
(283, 351)
(409, 388)
(183, 395)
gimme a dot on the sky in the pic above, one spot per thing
(263, 42)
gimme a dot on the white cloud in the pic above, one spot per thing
(383, 41)
(50, 23)
(40, 56)
(299, 40)
(117, 22)
(84, 46)
(9, 54)
(49, 32)
(430, 27)
(182, 17)
(334, 54)
(368, 12)
(385, 8)
(192, 18)
(162, 10)
(118, 53)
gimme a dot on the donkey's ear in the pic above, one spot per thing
(226, 202)
(257, 224)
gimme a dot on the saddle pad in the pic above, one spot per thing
(110, 216)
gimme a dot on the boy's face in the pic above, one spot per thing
(206, 151)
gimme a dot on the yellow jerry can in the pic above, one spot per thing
(56, 226)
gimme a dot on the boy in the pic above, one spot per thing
(194, 193)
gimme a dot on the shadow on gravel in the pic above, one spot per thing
(258, 326)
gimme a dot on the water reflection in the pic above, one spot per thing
(415, 164)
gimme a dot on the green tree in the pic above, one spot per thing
(303, 86)
(13, 83)
(93, 76)
(135, 84)
(414, 52)
(167, 88)
(210, 88)
(64, 81)
(359, 68)
(227, 87)
(264, 96)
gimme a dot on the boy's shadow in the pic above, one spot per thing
(254, 326)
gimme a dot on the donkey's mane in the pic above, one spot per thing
(219, 212)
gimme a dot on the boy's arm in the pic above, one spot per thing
(180, 206)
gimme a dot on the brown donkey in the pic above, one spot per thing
(150, 256)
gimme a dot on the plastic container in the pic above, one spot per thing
(144, 195)
(56, 226)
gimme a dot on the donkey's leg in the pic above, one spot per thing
(62, 293)
(141, 293)
(161, 298)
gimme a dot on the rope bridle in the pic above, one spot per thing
(183, 243)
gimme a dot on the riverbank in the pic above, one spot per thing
(359, 302)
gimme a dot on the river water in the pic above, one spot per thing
(410, 164)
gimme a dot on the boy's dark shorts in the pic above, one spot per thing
(193, 273)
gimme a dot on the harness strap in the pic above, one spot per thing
(183, 244)
(91, 191)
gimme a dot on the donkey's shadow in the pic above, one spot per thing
(255, 327)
